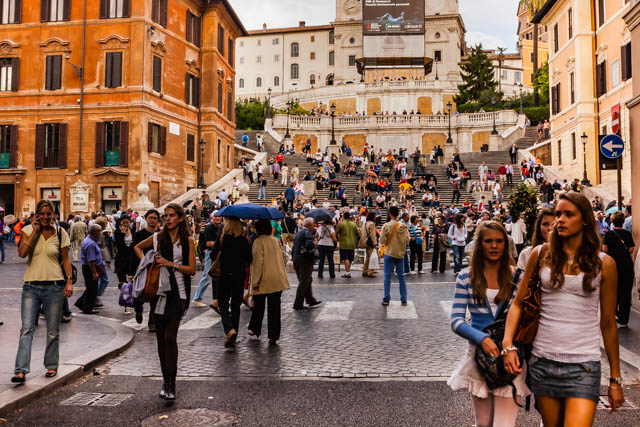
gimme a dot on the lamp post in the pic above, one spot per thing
(521, 109)
(333, 128)
(287, 135)
(203, 146)
(585, 180)
(269, 103)
(449, 139)
(493, 113)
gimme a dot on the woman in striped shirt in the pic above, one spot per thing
(483, 289)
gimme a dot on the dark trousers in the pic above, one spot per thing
(304, 292)
(288, 205)
(273, 314)
(455, 198)
(229, 292)
(625, 287)
(138, 307)
(326, 251)
(416, 251)
(509, 178)
(438, 258)
(87, 300)
(167, 336)
(514, 158)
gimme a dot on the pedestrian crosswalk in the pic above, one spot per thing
(329, 311)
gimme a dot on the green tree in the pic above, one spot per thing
(477, 74)
(541, 83)
(525, 200)
(250, 115)
(532, 6)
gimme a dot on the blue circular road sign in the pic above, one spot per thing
(612, 146)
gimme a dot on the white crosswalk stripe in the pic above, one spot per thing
(202, 321)
(395, 310)
(335, 310)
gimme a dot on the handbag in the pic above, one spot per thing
(530, 311)
(216, 268)
(443, 240)
(126, 295)
(383, 248)
(492, 368)
(151, 283)
(6, 230)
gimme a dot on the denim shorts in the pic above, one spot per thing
(564, 380)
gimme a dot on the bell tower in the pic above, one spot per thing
(348, 10)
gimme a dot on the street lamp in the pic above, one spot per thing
(269, 103)
(203, 146)
(585, 180)
(333, 129)
(521, 109)
(449, 139)
(493, 113)
(287, 135)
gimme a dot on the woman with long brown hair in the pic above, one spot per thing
(576, 280)
(47, 282)
(175, 251)
(541, 230)
(484, 288)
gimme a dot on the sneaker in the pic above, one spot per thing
(420, 272)
(622, 326)
(198, 304)
(347, 275)
(404, 303)
(127, 310)
(385, 303)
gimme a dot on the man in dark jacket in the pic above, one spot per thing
(206, 241)
(289, 196)
(303, 260)
(152, 218)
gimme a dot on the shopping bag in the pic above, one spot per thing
(374, 261)
(126, 295)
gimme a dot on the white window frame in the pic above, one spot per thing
(6, 74)
(8, 11)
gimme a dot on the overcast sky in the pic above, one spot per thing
(491, 22)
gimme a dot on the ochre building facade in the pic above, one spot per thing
(95, 102)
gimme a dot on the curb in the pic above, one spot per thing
(38, 386)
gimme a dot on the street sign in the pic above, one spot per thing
(4, 160)
(615, 119)
(612, 146)
(112, 158)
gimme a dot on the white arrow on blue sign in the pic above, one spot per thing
(612, 146)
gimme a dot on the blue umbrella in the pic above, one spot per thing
(250, 211)
(613, 209)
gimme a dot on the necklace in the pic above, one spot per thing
(570, 261)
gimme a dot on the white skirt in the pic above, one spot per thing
(467, 376)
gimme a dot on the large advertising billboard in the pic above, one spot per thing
(384, 17)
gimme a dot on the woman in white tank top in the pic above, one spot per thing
(576, 279)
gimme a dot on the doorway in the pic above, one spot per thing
(7, 198)
(154, 193)
(111, 199)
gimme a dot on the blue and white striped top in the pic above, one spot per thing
(481, 315)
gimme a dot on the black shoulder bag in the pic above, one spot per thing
(492, 368)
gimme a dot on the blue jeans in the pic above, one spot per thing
(103, 281)
(390, 264)
(2, 239)
(206, 279)
(51, 297)
(328, 252)
(458, 252)
(262, 191)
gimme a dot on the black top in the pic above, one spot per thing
(616, 248)
(235, 255)
(304, 239)
(126, 259)
(289, 226)
(210, 234)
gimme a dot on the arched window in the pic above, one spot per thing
(295, 71)
(241, 83)
(332, 37)
(295, 50)
(312, 79)
(276, 81)
(259, 82)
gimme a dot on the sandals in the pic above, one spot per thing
(19, 378)
(51, 373)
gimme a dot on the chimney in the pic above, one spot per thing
(302, 23)
(264, 26)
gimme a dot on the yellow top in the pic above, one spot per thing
(44, 264)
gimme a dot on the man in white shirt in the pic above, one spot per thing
(285, 174)
(509, 168)
(518, 231)
(482, 171)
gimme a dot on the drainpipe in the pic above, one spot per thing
(594, 26)
(197, 141)
(84, 38)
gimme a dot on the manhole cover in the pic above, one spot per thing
(604, 404)
(95, 399)
(191, 417)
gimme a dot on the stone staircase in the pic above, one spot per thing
(530, 138)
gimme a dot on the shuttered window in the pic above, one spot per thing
(556, 43)
(157, 74)
(555, 99)
(8, 146)
(53, 77)
(51, 146)
(192, 90)
(113, 75)
(194, 28)
(9, 73)
(221, 39)
(230, 106)
(625, 55)
(55, 10)
(157, 139)
(112, 144)
(230, 50)
(220, 97)
(10, 11)
(159, 12)
(191, 148)
(114, 9)
(601, 78)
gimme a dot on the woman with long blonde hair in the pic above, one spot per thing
(485, 288)
(576, 281)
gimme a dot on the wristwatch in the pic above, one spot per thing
(615, 380)
(176, 265)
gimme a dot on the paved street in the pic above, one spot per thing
(348, 362)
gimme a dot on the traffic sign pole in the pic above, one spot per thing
(620, 184)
